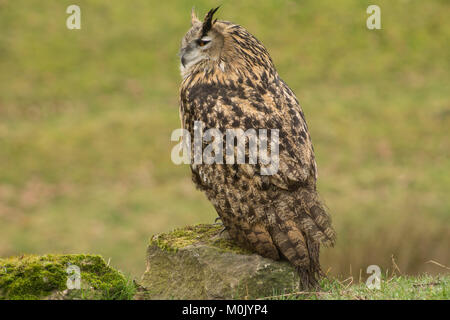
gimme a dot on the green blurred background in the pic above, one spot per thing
(86, 117)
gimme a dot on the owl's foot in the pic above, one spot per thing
(219, 223)
(223, 233)
(224, 230)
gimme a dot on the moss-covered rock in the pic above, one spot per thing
(197, 263)
(55, 277)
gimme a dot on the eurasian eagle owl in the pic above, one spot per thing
(230, 81)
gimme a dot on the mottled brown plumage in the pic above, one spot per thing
(229, 81)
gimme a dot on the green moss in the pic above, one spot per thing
(208, 234)
(45, 277)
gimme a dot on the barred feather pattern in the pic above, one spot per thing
(278, 216)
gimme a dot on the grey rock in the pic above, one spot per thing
(197, 263)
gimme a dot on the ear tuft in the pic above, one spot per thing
(194, 19)
(207, 23)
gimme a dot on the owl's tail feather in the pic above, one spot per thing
(301, 225)
(313, 219)
(300, 251)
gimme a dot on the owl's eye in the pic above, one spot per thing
(202, 43)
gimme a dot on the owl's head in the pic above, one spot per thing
(204, 41)
(219, 44)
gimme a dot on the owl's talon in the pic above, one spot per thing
(224, 229)
(223, 234)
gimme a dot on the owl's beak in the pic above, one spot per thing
(182, 58)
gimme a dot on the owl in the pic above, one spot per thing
(229, 81)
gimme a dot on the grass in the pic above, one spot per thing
(86, 117)
(423, 287)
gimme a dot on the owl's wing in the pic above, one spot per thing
(295, 165)
(296, 161)
(227, 108)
